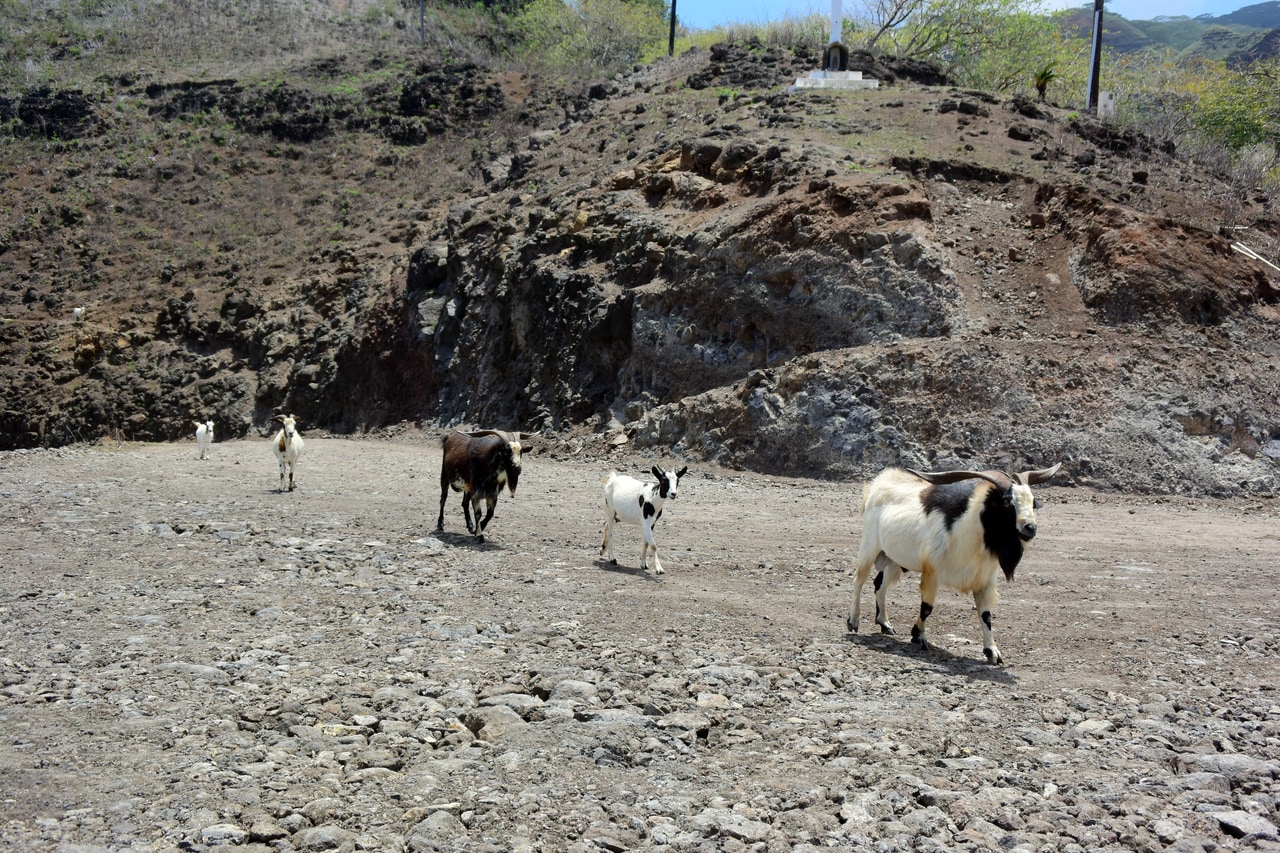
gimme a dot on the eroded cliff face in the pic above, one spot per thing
(780, 303)
(683, 273)
(693, 260)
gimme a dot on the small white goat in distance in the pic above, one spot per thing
(204, 437)
(630, 501)
(288, 446)
(953, 527)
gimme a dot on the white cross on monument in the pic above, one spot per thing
(834, 73)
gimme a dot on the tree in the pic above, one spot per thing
(1242, 108)
(930, 29)
(589, 36)
(997, 58)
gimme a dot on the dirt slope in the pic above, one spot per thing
(693, 258)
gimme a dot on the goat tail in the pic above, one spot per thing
(609, 476)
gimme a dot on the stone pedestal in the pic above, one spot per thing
(836, 80)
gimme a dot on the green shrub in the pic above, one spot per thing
(590, 37)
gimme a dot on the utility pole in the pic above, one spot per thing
(671, 39)
(1095, 60)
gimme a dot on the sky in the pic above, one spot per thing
(704, 14)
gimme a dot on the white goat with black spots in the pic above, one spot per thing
(955, 528)
(288, 447)
(629, 501)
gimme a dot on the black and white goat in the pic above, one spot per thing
(629, 501)
(955, 528)
(479, 464)
(288, 447)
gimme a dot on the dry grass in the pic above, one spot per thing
(810, 31)
(73, 42)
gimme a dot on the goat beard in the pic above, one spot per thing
(1009, 557)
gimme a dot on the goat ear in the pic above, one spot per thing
(682, 472)
(656, 472)
(278, 419)
(1030, 478)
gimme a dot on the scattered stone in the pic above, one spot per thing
(1241, 824)
(223, 833)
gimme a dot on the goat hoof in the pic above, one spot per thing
(993, 656)
(886, 628)
(614, 561)
(479, 537)
(851, 626)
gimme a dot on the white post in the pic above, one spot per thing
(837, 21)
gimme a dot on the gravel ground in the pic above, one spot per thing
(191, 659)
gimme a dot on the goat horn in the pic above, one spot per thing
(942, 478)
(503, 434)
(1030, 478)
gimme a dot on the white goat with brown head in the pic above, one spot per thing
(287, 446)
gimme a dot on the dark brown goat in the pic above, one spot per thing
(479, 464)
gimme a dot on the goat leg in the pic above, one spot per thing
(466, 511)
(481, 525)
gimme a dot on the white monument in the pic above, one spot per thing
(835, 73)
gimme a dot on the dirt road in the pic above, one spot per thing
(189, 658)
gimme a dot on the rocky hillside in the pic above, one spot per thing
(692, 258)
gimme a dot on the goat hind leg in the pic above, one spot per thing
(865, 562)
(887, 574)
(444, 495)
(606, 542)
